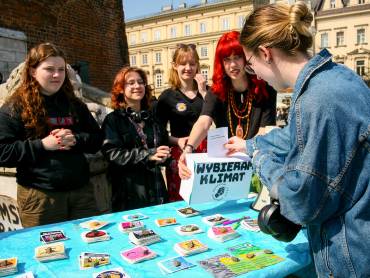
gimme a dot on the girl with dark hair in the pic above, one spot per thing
(180, 106)
(318, 166)
(239, 101)
(135, 144)
(44, 132)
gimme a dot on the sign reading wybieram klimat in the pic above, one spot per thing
(216, 178)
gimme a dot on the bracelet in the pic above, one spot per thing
(190, 146)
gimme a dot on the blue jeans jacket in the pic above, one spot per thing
(319, 165)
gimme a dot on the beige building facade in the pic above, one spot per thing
(152, 40)
(342, 26)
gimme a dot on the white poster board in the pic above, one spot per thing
(216, 178)
(9, 215)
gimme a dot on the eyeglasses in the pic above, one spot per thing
(183, 45)
(248, 69)
(132, 83)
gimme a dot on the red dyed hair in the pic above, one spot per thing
(118, 97)
(228, 45)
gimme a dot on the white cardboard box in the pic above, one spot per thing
(216, 178)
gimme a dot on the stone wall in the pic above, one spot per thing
(91, 32)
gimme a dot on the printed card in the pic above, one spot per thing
(191, 245)
(113, 273)
(175, 264)
(88, 260)
(214, 219)
(250, 225)
(189, 229)
(165, 222)
(137, 254)
(50, 250)
(93, 224)
(216, 268)
(6, 264)
(52, 236)
(134, 217)
(221, 231)
(188, 212)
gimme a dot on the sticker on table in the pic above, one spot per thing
(214, 219)
(52, 236)
(113, 273)
(175, 264)
(8, 266)
(188, 212)
(134, 217)
(95, 236)
(189, 229)
(89, 260)
(165, 222)
(93, 224)
(138, 254)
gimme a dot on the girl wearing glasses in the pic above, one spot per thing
(317, 166)
(135, 144)
(44, 132)
(239, 100)
(180, 106)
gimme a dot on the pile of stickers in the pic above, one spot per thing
(8, 266)
(190, 247)
(222, 234)
(114, 272)
(174, 264)
(95, 236)
(250, 225)
(126, 227)
(165, 222)
(144, 237)
(189, 229)
(214, 220)
(89, 260)
(50, 252)
(138, 254)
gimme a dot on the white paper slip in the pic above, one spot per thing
(216, 139)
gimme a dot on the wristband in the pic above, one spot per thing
(190, 146)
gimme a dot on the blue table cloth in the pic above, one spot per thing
(22, 243)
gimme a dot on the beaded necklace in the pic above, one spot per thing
(242, 113)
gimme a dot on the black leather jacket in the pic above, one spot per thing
(136, 181)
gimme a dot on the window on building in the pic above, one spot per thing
(360, 35)
(340, 38)
(202, 27)
(157, 35)
(133, 60)
(332, 4)
(241, 19)
(173, 32)
(158, 58)
(204, 72)
(132, 39)
(145, 59)
(324, 40)
(187, 31)
(225, 23)
(144, 37)
(204, 51)
(360, 67)
(158, 80)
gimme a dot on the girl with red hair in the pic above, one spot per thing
(239, 100)
(134, 144)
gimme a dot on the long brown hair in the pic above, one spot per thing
(118, 97)
(27, 99)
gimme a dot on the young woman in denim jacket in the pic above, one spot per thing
(319, 165)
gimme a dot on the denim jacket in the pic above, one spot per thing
(319, 165)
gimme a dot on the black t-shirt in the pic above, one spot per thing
(182, 112)
(263, 113)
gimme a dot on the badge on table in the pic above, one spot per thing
(89, 260)
(165, 222)
(50, 252)
(174, 264)
(93, 224)
(112, 273)
(135, 217)
(215, 219)
(188, 212)
(95, 236)
(189, 229)
(52, 236)
(130, 226)
(8, 266)
(138, 254)
(190, 247)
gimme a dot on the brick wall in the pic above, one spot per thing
(89, 31)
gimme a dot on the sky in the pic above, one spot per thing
(139, 8)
